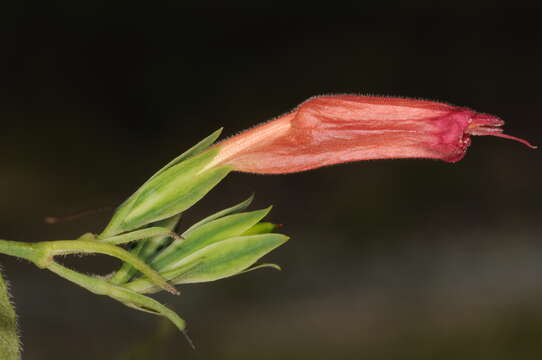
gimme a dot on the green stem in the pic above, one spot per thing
(9, 341)
(63, 247)
(21, 250)
(42, 253)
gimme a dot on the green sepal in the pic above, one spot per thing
(216, 261)
(174, 191)
(117, 224)
(193, 151)
(199, 237)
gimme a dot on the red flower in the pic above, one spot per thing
(328, 130)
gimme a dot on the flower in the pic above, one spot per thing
(321, 131)
(329, 130)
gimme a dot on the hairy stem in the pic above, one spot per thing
(42, 253)
(9, 340)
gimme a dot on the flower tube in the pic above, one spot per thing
(329, 130)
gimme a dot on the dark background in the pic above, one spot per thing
(405, 259)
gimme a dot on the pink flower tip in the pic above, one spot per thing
(329, 130)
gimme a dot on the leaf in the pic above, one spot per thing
(216, 261)
(226, 258)
(214, 231)
(231, 210)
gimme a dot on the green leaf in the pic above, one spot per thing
(216, 261)
(226, 258)
(199, 237)
(231, 210)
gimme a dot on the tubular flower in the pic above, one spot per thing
(329, 130)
